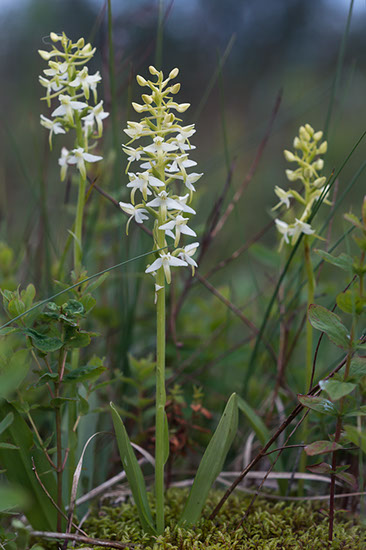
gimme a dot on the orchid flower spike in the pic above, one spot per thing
(308, 147)
(164, 172)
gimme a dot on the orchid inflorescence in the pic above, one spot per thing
(68, 80)
(308, 150)
(163, 163)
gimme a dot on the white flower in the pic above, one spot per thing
(87, 81)
(62, 161)
(284, 197)
(135, 154)
(67, 107)
(159, 146)
(165, 202)
(136, 129)
(298, 228)
(180, 164)
(187, 254)
(141, 181)
(180, 225)
(79, 156)
(189, 179)
(96, 114)
(136, 212)
(284, 229)
(180, 140)
(57, 70)
(165, 261)
(53, 126)
(184, 207)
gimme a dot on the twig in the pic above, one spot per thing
(264, 450)
(51, 499)
(80, 538)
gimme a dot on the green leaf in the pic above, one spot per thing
(318, 404)
(343, 261)
(356, 437)
(357, 368)
(16, 307)
(44, 343)
(212, 462)
(263, 435)
(357, 412)
(350, 302)
(13, 372)
(11, 497)
(87, 372)
(133, 472)
(76, 339)
(336, 389)
(354, 220)
(28, 296)
(88, 302)
(74, 308)
(6, 422)
(321, 447)
(8, 446)
(18, 465)
(8, 330)
(94, 285)
(328, 322)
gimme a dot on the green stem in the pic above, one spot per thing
(78, 248)
(309, 349)
(160, 395)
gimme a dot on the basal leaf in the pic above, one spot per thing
(18, 466)
(133, 472)
(212, 462)
(328, 322)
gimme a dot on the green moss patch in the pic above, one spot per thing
(271, 525)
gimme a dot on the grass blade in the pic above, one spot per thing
(212, 462)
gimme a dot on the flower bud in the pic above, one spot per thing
(183, 107)
(141, 80)
(308, 172)
(304, 134)
(319, 182)
(290, 157)
(153, 71)
(173, 74)
(44, 54)
(297, 143)
(55, 37)
(309, 129)
(323, 148)
(175, 89)
(291, 175)
(318, 135)
(138, 108)
(318, 164)
(80, 43)
(147, 99)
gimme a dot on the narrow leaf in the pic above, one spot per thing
(133, 472)
(328, 322)
(10, 497)
(6, 422)
(212, 462)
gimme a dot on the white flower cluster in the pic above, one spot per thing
(163, 165)
(69, 81)
(308, 149)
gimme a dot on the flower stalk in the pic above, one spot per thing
(164, 163)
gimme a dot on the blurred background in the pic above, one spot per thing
(235, 58)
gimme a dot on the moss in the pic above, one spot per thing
(269, 526)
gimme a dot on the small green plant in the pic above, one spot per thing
(341, 403)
